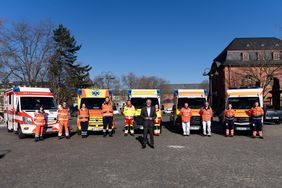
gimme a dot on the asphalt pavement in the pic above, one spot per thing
(176, 161)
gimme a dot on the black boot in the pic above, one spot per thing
(68, 137)
(111, 134)
(60, 137)
(41, 138)
(36, 139)
(104, 134)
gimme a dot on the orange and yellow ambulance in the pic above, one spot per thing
(196, 99)
(242, 101)
(93, 99)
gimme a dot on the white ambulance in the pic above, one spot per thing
(20, 105)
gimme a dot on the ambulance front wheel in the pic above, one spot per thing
(20, 133)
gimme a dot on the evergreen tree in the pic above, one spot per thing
(64, 73)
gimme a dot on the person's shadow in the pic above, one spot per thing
(140, 139)
(3, 153)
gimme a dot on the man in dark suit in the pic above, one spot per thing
(148, 113)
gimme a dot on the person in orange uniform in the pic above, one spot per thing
(39, 121)
(229, 115)
(107, 110)
(129, 112)
(206, 115)
(186, 114)
(63, 119)
(256, 114)
(83, 119)
(157, 121)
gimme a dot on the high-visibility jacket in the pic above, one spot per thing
(83, 115)
(159, 114)
(39, 119)
(256, 112)
(229, 113)
(206, 114)
(129, 111)
(185, 114)
(63, 115)
(158, 119)
(107, 109)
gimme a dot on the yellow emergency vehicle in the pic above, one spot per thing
(138, 99)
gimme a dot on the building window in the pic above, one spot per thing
(261, 56)
(245, 56)
(276, 56)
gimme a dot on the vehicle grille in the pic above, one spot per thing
(195, 120)
(138, 120)
(242, 119)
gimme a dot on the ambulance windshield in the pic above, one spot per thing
(194, 103)
(92, 103)
(242, 102)
(33, 103)
(141, 102)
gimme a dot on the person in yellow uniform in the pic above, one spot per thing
(128, 113)
(158, 121)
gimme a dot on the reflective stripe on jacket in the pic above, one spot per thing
(63, 115)
(185, 114)
(206, 114)
(107, 109)
(39, 118)
(83, 115)
(256, 112)
(129, 111)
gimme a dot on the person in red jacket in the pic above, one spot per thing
(229, 115)
(256, 114)
(186, 115)
(206, 114)
(39, 121)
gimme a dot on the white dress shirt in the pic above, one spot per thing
(149, 111)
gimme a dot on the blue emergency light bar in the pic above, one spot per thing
(206, 92)
(110, 92)
(79, 92)
(158, 92)
(175, 92)
(16, 89)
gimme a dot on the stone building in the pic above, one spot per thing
(248, 63)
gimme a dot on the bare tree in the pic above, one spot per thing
(25, 51)
(131, 81)
(260, 75)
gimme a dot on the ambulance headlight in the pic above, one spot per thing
(27, 120)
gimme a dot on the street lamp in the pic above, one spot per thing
(108, 77)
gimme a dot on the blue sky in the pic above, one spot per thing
(172, 39)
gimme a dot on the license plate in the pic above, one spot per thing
(49, 130)
(242, 128)
(275, 117)
(96, 129)
(195, 128)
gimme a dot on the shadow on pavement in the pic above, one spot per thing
(3, 153)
